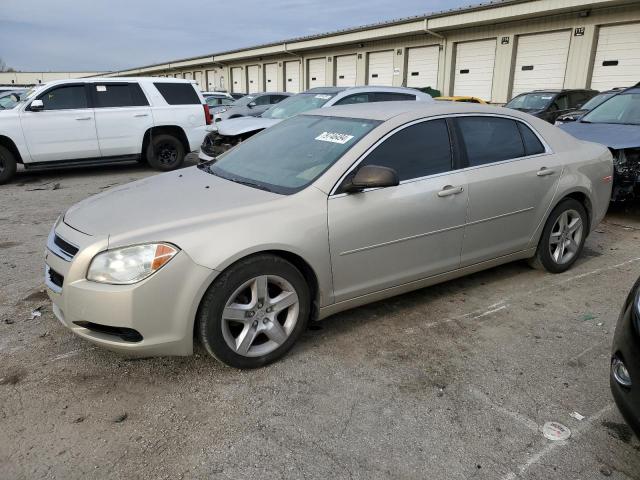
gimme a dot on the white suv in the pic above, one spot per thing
(103, 120)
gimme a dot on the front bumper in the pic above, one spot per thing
(626, 346)
(159, 310)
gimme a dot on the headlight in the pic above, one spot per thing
(129, 265)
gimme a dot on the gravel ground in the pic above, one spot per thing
(449, 382)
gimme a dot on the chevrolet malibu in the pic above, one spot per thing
(326, 211)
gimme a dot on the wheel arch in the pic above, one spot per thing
(305, 268)
(12, 147)
(583, 198)
(173, 130)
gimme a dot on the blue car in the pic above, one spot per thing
(616, 124)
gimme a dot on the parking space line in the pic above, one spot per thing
(518, 417)
(551, 446)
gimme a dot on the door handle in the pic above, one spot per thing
(544, 171)
(137, 115)
(450, 190)
(83, 118)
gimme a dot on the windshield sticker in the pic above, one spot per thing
(101, 88)
(547, 97)
(333, 137)
(323, 97)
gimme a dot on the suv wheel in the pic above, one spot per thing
(7, 165)
(165, 152)
(254, 312)
(563, 237)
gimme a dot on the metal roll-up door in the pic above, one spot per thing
(237, 85)
(617, 59)
(316, 72)
(292, 77)
(271, 77)
(211, 80)
(253, 77)
(380, 68)
(541, 61)
(422, 66)
(475, 62)
(197, 76)
(346, 70)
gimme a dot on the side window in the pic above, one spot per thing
(356, 98)
(532, 144)
(262, 100)
(277, 98)
(416, 151)
(65, 98)
(562, 102)
(391, 97)
(490, 139)
(178, 93)
(119, 95)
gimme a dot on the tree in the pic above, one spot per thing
(4, 67)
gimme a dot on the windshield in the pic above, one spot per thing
(244, 101)
(217, 101)
(531, 101)
(303, 102)
(289, 156)
(597, 100)
(623, 109)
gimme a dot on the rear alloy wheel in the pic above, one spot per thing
(254, 312)
(7, 165)
(563, 237)
(165, 152)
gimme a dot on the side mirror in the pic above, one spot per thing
(36, 106)
(372, 176)
(251, 104)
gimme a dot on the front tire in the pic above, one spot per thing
(8, 165)
(165, 152)
(563, 237)
(254, 312)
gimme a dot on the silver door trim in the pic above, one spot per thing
(516, 212)
(547, 147)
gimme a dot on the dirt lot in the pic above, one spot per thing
(450, 382)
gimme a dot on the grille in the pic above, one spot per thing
(56, 278)
(65, 246)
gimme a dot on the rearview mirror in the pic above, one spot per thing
(36, 106)
(372, 176)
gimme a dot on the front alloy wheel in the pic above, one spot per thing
(254, 311)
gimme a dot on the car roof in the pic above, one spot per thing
(635, 89)
(414, 110)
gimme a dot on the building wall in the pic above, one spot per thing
(35, 78)
(504, 23)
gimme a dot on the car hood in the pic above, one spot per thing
(238, 126)
(531, 111)
(177, 200)
(573, 113)
(611, 135)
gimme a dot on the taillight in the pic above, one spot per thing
(207, 114)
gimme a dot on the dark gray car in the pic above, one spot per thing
(252, 105)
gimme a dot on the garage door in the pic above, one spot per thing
(474, 68)
(292, 77)
(617, 61)
(346, 68)
(253, 77)
(236, 80)
(316, 72)
(271, 77)
(188, 75)
(197, 76)
(422, 67)
(380, 68)
(541, 61)
(211, 80)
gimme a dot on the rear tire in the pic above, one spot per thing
(254, 312)
(165, 152)
(8, 165)
(563, 237)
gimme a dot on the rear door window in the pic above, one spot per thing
(489, 139)
(391, 97)
(415, 151)
(118, 95)
(262, 100)
(356, 98)
(178, 93)
(67, 97)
